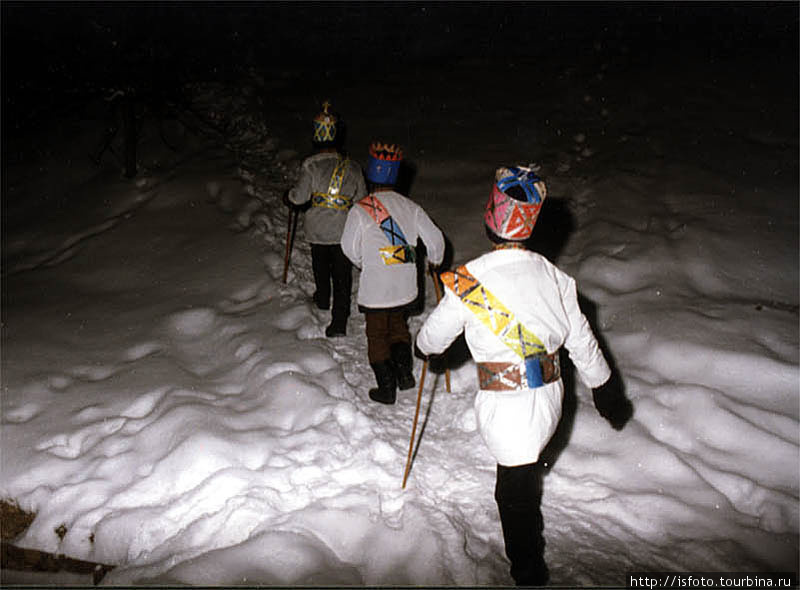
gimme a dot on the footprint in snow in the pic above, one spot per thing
(71, 446)
(140, 351)
(192, 323)
(21, 414)
(93, 373)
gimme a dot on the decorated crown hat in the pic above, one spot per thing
(384, 162)
(515, 202)
(325, 125)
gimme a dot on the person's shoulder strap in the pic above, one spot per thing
(399, 251)
(380, 214)
(492, 312)
(334, 199)
(374, 208)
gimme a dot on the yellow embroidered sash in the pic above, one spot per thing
(332, 199)
(493, 313)
(536, 368)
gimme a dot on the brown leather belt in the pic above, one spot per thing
(514, 376)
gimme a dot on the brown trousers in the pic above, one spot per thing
(384, 328)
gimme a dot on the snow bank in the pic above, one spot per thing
(171, 407)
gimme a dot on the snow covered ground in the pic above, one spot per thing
(179, 411)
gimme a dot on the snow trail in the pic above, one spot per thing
(184, 417)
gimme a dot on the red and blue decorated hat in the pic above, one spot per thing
(515, 202)
(384, 163)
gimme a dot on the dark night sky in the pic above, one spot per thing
(100, 35)
(80, 47)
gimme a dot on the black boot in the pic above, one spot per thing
(321, 301)
(401, 358)
(518, 493)
(337, 327)
(386, 392)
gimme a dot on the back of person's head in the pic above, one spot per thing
(514, 204)
(383, 165)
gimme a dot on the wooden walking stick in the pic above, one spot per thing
(436, 286)
(421, 385)
(414, 427)
(290, 231)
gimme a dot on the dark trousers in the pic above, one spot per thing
(384, 328)
(332, 268)
(518, 493)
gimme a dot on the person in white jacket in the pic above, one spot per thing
(379, 238)
(331, 183)
(517, 310)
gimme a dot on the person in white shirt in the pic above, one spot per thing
(330, 182)
(517, 310)
(379, 237)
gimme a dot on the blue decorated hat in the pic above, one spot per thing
(384, 163)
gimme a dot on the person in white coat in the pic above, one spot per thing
(517, 310)
(379, 237)
(328, 185)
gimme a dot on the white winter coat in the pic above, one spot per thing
(516, 425)
(384, 286)
(322, 224)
